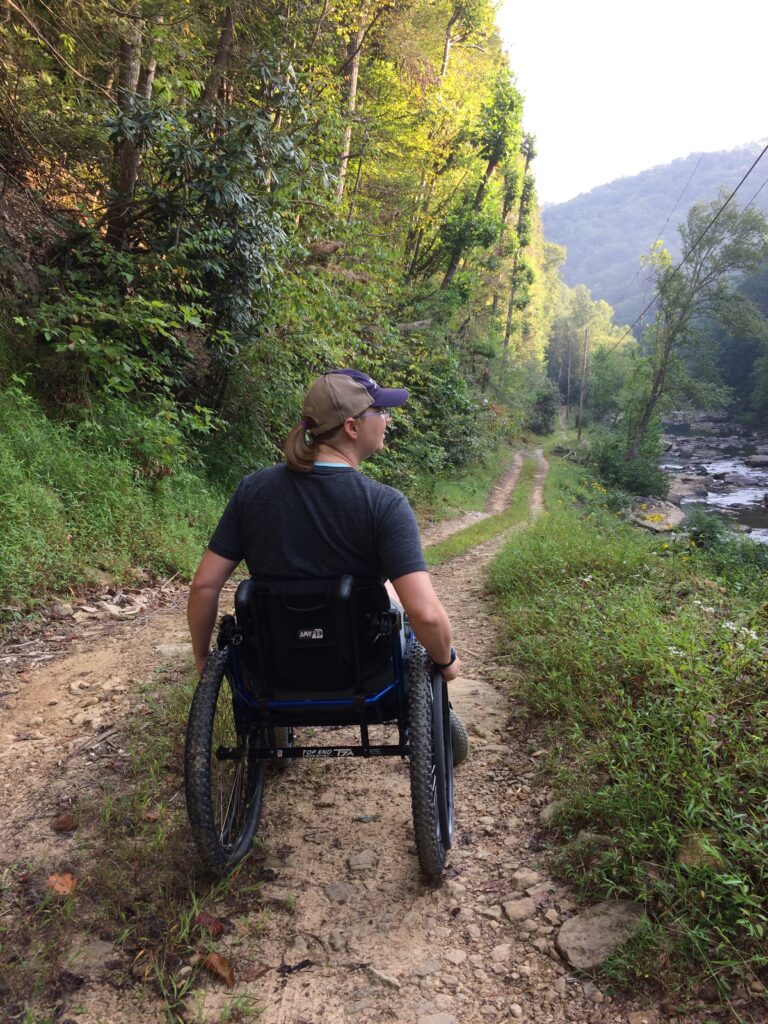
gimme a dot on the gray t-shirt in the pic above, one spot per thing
(319, 525)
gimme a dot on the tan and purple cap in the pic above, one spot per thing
(339, 394)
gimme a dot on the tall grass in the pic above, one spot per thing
(468, 491)
(69, 505)
(648, 656)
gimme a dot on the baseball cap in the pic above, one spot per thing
(339, 394)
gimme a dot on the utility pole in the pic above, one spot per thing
(568, 383)
(582, 386)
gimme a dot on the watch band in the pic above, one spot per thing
(448, 663)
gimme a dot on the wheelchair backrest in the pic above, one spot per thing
(305, 639)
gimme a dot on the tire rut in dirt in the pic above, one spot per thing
(224, 786)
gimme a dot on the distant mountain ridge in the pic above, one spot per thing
(607, 230)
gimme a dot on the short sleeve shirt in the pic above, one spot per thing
(323, 524)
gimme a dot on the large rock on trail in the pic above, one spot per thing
(589, 938)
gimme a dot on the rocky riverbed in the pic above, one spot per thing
(722, 468)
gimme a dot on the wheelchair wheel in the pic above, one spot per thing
(459, 739)
(224, 784)
(431, 763)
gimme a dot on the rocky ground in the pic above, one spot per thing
(342, 929)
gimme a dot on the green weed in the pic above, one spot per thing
(73, 502)
(469, 491)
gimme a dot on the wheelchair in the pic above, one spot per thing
(314, 653)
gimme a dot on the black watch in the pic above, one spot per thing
(448, 663)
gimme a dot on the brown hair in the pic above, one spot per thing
(300, 447)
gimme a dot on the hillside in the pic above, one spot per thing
(607, 230)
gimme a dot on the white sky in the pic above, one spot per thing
(612, 88)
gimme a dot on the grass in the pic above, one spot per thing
(485, 529)
(138, 884)
(646, 655)
(73, 503)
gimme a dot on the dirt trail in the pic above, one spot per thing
(351, 934)
(498, 499)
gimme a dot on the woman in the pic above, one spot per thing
(317, 517)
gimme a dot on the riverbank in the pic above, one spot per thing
(722, 468)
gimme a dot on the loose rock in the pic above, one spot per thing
(340, 892)
(520, 910)
(525, 878)
(589, 938)
(362, 862)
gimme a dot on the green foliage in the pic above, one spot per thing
(544, 411)
(607, 449)
(72, 503)
(468, 491)
(607, 230)
(193, 263)
(705, 529)
(649, 660)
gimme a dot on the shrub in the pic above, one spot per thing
(607, 453)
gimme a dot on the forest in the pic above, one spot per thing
(606, 231)
(204, 206)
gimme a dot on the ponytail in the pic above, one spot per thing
(300, 449)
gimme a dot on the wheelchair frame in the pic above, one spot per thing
(247, 704)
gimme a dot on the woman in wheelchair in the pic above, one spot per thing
(316, 518)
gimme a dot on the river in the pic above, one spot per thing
(721, 468)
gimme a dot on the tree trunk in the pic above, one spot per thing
(447, 41)
(353, 69)
(126, 153)
(221, 58)
(568, 385)
(511, 304)
(506, 207)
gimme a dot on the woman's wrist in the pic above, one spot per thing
(448, 663)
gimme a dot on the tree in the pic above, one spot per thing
(497, 135)
(718, 243)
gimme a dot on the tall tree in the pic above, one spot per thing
(498, 133)
(718, 243)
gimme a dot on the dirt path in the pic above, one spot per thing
(497, 501)
(343, 930)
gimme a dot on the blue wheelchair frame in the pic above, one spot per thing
(314, 653)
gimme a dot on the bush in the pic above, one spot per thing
(607, 453)
(544, 411)
(72, 501)
(705, 529)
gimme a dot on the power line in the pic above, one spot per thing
(661, 229)
(696, 244)
(754, 197)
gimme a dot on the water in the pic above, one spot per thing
(711, 457)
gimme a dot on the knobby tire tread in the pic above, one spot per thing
(198, 781)
(460, 739)
(426, 823)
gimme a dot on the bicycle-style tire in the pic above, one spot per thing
(459, 739)
(430, 757)
(224, 785)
